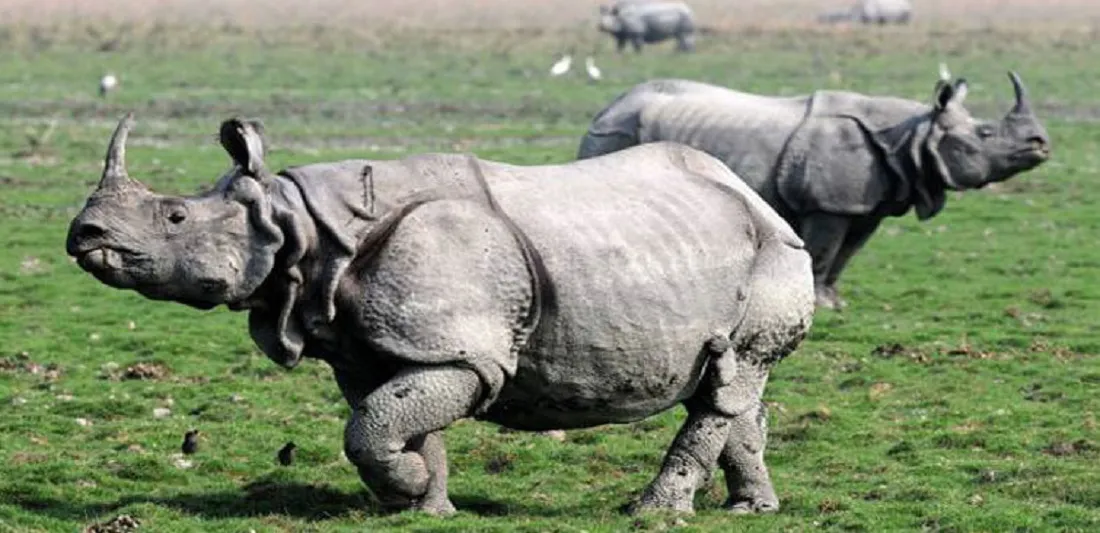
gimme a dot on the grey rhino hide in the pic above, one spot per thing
(872, 11)
(440, 287)
(648, 21)
(836, 162)
(345, 201)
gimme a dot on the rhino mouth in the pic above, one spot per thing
(1032, 154)
(105, 263)
(101, 258)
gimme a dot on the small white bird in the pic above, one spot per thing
(593, 71)
(107, 84)
(562, 66)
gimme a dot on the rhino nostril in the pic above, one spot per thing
(86, 232)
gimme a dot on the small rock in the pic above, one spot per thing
(86, 484)
(131, 325)
(182, 463)
(18, 400)
(161, 412)
(236, 398)
(83, 422)
(65, 397)
(94, 337)
(976, 500)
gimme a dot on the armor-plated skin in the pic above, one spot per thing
(441, 287)
(833, 164)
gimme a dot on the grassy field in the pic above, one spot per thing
(958, 392)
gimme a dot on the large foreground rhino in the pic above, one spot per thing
(440, 287)
(872, 12)
(834, 164)
(648, 21)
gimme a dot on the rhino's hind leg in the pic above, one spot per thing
(685, 42)
(857, 236)
(742, 460)
(824, 235)
(688, 464)
(393, 437)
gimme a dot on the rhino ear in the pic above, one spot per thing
(947, 93)
(243, 140)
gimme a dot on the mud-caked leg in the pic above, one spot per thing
(742, 460)
(393, 437)
(688, 464)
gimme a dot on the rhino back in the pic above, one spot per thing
(648, 250)
(656, 20)
(745, 131)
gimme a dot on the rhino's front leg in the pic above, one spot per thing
(688, 463)
(393, 437)
(742, 460)
(824, 235)
(620, 43)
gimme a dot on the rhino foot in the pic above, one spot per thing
(828, 298)
(758, 505)
(653, 502)
(436, 506)
(554, 434)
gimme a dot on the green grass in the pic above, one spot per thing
(957, 393)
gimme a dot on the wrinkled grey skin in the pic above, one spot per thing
(440, 287)
(648, 21)
(872, 12)
(833, 164)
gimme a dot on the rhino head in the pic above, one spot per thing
(609, 19)
(213, 248)
(970, 153)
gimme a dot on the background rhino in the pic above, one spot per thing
(541, 297)
(872, 11)
(648, 21)
(834, 164)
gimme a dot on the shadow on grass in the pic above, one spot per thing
(264, 498)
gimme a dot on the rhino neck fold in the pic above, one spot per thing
(908, 148)
(321, 220)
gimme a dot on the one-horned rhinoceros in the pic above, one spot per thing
(648, 21)
(872, 12)
(834, 164)
(440, 287)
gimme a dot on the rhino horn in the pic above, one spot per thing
(945, 74)
(114, 166)
(1023, 101)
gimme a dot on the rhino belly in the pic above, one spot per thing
(644, 273)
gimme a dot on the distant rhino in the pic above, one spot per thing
(834, 164)
(648, 21)
(872, 11)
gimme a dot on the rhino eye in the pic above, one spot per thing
(176, 217)
(985, 131)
